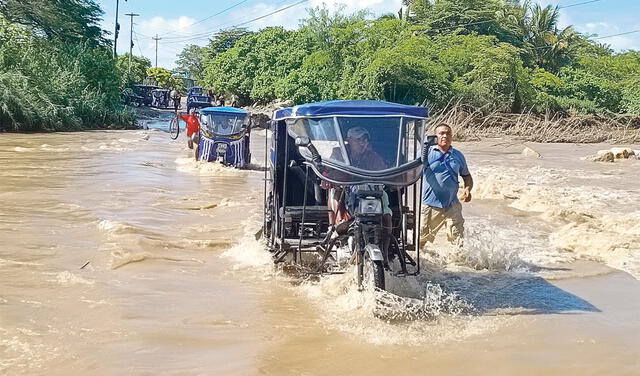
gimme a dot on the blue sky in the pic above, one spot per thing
(175, 21)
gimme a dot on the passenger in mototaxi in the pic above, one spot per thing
(361, 155)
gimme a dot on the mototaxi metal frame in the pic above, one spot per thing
(297, 219)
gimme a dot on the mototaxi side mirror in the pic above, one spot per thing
(204, 120)
(303, 141)
(431, 140)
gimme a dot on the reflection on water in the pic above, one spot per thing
(120, 254)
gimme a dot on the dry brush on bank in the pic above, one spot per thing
(473, 124)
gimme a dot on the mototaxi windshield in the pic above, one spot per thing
(360, 149)
(223, 124)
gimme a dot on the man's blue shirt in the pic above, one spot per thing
(440, 176)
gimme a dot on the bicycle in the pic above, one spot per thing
(174, 127)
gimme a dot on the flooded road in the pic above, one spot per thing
(121, 255)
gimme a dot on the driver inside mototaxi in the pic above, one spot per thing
(342, 202)
(360, 151)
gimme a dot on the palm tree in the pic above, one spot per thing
(543, 43)
(414, 9)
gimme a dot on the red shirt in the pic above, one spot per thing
(193, 124)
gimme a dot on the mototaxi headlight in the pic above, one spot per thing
(370, 206)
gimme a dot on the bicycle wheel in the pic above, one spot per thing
(174, 128)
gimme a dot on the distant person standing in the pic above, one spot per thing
(175, 96)
(441, 205)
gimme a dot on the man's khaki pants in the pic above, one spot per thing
(435, 218)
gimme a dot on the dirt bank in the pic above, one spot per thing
(472, 125)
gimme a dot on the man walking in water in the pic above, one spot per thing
(441, 206)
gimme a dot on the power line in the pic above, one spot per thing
(576, 4)
(488, 21)
(211, 16)
(619, 34)
(138, 43)
(207, 34)
(272, 13)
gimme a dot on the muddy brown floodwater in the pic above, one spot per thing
(174, 282)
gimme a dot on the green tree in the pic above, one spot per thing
(191, 60)
(66, 20)
(313, 81)
(138, 71)
(165, 78)
(405, 73)
(254, 65)
(543, 45)
(224, 40)
(49, 85)
(462, 16)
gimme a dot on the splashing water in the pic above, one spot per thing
(593, 221)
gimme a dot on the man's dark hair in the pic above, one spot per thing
(442, 125)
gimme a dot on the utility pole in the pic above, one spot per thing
(156, 39)
(131, 38)
(115, 33)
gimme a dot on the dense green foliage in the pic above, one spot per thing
(134, 75)
(191, 61)
(64, 20)
(165, 78)
(56, 73)
(504, 55)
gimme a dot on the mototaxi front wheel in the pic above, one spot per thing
(378, 274)
(370, 273)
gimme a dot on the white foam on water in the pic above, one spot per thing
(105, 146)
(593, 222)
(121, 258)
(66, 278)
(226, 202)
(190, 165)
(114, 226)
(415, 312)
(144, 136)
(95, 303)
(493, 247)
(20, 149)
(23, 351)
(47, 147)
(217, 243)
(18, 263)
(250, 253)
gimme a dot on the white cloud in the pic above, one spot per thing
(146, 29)
(622, 43)
(169, 29)
(618, 43)
(594, 25)
(291, 17)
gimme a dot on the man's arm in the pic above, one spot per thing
(466, 189)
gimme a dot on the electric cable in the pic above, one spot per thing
(207, 18)
(207, 34)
